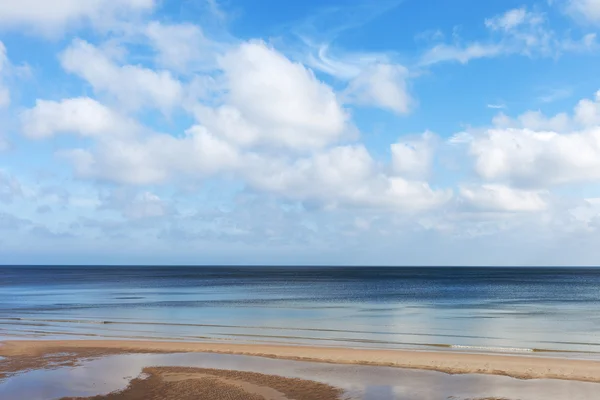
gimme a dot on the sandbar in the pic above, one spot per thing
(30, 354)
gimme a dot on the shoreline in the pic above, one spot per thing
(30, 354)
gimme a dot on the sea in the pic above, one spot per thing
(511, 310)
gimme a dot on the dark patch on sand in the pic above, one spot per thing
(176, 383)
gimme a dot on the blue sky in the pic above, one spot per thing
(317, 132)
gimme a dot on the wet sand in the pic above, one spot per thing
(24, 355)
(175, 383)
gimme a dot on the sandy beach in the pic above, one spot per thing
(199, 383)
(22, 355)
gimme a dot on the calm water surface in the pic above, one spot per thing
(461, 308)
(359, 382)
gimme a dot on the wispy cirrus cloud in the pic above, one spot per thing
(517, 31)
(373, 78)
(586, 11)
(552, 95)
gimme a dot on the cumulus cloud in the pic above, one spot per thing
(373, 79)
(154, 158)
(51, 18)
(82, 116)
(381, 85)
(532, 158)
(341, 176)
(266, 102)
(272, 100)
(346, 175)
(587, 111)
(535, 120)
(494, 197)
(413, 157)
(586, 114)
(133, 86)
(182, 47)
(529, 153)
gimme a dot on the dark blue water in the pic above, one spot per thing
(443, 308)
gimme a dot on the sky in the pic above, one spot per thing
(330, 132)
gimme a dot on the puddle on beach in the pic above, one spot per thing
(112, 373)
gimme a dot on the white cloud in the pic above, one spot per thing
(586, 10)
(587, 43)
(266, 102)
(586, 114)
(155, 158)
(528, 152)
(133, 86)
(511, 19)
(182, 47)
(532, 158)
(381, 85)
(4, 63)
(535, 120)
(524, 32)
(346, 66)
(345, 175)
(341, 176)
(517, 31)
(82, 116)
(462, 54)
(271, 100)
(52, 17)
(341, 69)
(494, 197)
(414, 157)
(373, 79)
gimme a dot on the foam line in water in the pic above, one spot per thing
(494, 349)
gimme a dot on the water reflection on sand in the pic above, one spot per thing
(360, 382)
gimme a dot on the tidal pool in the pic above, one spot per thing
(110, 373)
